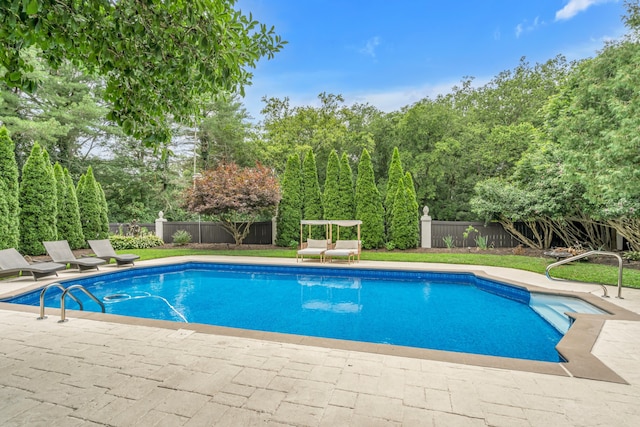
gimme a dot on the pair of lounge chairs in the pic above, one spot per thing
(342, 248)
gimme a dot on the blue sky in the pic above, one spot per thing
(392, 53)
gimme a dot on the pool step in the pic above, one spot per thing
(552, 309)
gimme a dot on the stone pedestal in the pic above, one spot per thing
(160, 225)
(425, 235)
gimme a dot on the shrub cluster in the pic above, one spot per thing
(135, 242)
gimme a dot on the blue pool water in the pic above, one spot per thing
(454, 312)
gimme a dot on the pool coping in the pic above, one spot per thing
(575, 347)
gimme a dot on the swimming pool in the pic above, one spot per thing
(444, 311)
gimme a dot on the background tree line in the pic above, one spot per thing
(551, 145)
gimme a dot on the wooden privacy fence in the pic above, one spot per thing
(213, 232)
(496, 235)
(260, 233)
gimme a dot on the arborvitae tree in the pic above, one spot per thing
(398, 227)
(74, 235)
(346, 200)
(403, 234)
(61, 197)
(311, 195)
(104, 212)
(290, 207)
(413, 200)
(9, 191)
(90, 206)
(369, 207)
(37, 203)
(331, 197)
(395, 174)
(4, 214)
(68, 223)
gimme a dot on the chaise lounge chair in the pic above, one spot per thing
(344, 248)
(12, 262)
(104, 250)
(312, 247)
(59, 251)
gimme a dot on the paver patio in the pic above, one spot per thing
(89, 372)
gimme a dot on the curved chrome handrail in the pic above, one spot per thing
(584, 255)
(44, 291)
(86, 292)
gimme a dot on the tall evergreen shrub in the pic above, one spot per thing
(413, 201)
(90, 206)
(9, 191)
(104, 212)
(346, 197)
(331, 197)
(402, 234)
(4, 213)
(395, 174)
(69, 227)
(38, 212)
(369, 207)
(290, 206)
(311, 195)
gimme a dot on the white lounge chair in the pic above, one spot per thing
(313, 247)
(344, 248)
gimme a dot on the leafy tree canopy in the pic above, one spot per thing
(238, 196)
(158, 58)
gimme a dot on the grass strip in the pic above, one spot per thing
(580, 271)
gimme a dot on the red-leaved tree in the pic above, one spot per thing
(237, 196)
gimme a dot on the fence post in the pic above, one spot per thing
(425, 237)
(274, 230)
(160, 224)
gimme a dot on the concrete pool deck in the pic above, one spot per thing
(101, 370)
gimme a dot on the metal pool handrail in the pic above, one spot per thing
(83, 289)
(44, 291)
(584, 255)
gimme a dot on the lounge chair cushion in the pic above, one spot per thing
(344, 248)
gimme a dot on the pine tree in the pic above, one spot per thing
(346, 200)
(311, 195)
(395, 175)
(290, 207)
(331, 197)
(9, 191)
(37, 203)
(90, 206)
(369, 207)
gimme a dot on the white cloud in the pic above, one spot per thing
(574, 7)
(525, 26)
(369, 48)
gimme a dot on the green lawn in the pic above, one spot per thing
(581, 271)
